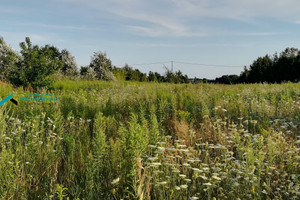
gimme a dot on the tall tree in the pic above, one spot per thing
(102, 66)
(152, 77)
(8, 58)
(35, 67)
(70, 66)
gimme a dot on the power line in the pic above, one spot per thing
(185, 63)
(213, 65)
(154, 63)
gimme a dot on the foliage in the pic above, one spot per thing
(129, 74)
(133, 140)
(36, 65)
(176, 77)
(270, 69)
(8, 58)
(70, 66)
(228, 79)
(102, 66)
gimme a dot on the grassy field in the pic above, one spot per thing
(127, 140)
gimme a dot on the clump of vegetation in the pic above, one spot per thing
(133, 140)
(37, 67)
(8, 58)
(271, 69)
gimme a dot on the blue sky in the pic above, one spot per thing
(214, 32)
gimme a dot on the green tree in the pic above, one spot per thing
(102, 66)
(186, 79)
(84, 70)
(159, 77)
(131, 75)
(70, 66)
(260, 68)
(142, 77)
(228, 79)
(243, 78)
(152, 77)
(35, 67)
(8, 58)
(170, 76)
(87, 73)
(285, 67)
(119, 73)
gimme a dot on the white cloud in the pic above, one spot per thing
(186, 18)
(160, 31)
(240, 9)
(253, 33)
(52, 26)
(56, 26)
(261, 34)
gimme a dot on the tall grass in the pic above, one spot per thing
(127, 140)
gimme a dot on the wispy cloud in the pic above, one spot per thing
(261, 34)
(177, 18)
(144, 18)
(161, 31)
(240, 10)
(185, 45)
(55, 26)
(254, 34)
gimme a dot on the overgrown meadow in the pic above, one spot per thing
(127, 140)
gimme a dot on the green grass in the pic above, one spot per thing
(128, 140)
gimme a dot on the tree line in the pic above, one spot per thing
(270, 69)
(37, 66)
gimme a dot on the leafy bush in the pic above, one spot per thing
(102, 66)
(35, 67)
(8, 58)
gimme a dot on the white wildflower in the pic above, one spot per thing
(184, 186)
(186, 164)
(196, 170)
(156, 164)
(188, 180)
(115, 181)
(162, 183)
(204, 177)
(182, 175)
(152, 158)
(216, 178)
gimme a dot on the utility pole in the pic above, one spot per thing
(172, 66)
